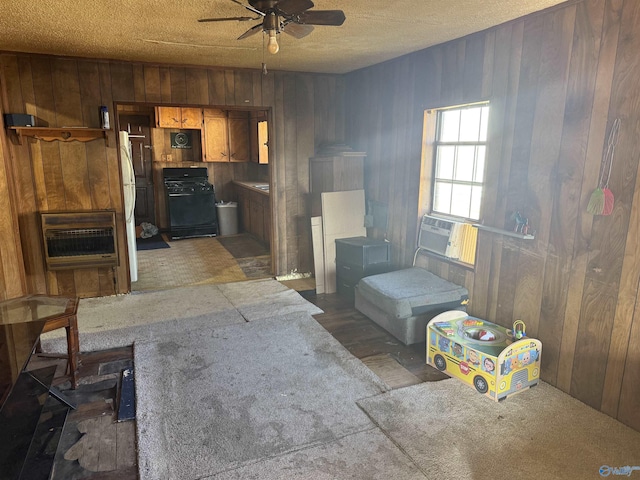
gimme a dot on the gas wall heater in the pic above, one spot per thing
(79, 239)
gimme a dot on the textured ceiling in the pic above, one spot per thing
(163, 31)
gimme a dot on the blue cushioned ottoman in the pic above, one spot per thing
(402, 302)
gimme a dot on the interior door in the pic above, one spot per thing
(139, 128)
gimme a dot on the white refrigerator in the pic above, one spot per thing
(129, 187)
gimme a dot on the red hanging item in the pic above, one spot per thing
(602, 200)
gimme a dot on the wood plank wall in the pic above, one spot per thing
(556, 81)
(306, 111)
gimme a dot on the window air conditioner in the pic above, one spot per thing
(441, 236)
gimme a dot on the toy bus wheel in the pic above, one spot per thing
(440, 362)
(480, 384)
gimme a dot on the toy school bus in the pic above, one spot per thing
(496, 361)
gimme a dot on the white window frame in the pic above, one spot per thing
(473, 186)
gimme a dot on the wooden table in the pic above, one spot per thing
(32, 413)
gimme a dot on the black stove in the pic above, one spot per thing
(191, 203)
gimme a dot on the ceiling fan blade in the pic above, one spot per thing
(292, 7)
(321, 17)
(296, 30)
(252, 31)
(239, 19)
(251, 8)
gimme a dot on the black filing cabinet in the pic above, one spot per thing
(359, 257)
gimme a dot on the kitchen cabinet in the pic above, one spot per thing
(259, 138)
(179, 117)
(255, 210)
(215, 143)
(226, 136)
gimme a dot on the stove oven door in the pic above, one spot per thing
(192, 214)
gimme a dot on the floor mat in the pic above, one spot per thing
(243, 246)
(151, 243)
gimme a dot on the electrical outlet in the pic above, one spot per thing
(169, 158)
(163, 157)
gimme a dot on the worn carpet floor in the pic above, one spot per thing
(117, 321)
(220, 400)
(452, 432)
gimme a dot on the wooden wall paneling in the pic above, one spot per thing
(528, 292)
(178, 86)
(111, 92)
(289, 152)
(524, 119)
(305, 148)
(66, 92)
(410, 151)
(121, 80)
(197, 81)
(165, 85)
(489, 58)
(152, 84)
(625, 105)
(87, 282)
(339, 111)
(474, 62)
(452, 73)
(549, 112)
(508, 281)
(570, 173)
(139, 90)
(243, 90)
(497, 167)
(594, 333)
(545, 309)
(256, 89)
(629, 412)
(595, 148)
(12, 273)
(324, 121)
(553, 304)
(229, 87)
(279, 174)
(20, 173)
(216, 87)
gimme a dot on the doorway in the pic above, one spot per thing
(139, 129)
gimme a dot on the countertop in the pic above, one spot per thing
(260, 187)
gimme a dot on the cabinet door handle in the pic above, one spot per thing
(346, 268)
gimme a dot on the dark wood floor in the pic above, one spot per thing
(95, 446)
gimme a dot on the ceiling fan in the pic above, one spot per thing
(293, 17)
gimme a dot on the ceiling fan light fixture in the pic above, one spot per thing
(270, 25)
(272, 45)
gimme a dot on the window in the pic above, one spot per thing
(459, 150)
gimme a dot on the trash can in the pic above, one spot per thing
(227, 217)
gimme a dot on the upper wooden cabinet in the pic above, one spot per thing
(259, 137)
(226, 136)
(179, 117)
(215, 143)
(238, 136)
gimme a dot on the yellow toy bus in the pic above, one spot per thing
(496, 361)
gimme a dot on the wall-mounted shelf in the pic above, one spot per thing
(506, 233)
(50, 134)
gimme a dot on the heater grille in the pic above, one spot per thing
(79, 239)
